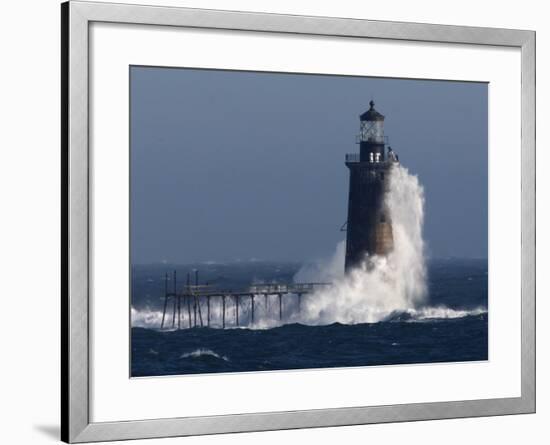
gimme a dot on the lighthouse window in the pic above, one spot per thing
(383, 218)
(377, 157)
(382, 176)
(371, 157)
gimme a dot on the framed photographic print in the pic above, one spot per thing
(295, 217)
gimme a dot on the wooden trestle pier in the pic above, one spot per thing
(190, 300)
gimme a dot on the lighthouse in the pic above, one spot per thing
(369, 229)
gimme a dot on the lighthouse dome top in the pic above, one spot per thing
(371, 114)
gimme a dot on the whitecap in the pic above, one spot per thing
(203, 352)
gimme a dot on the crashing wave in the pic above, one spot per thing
(382, 284)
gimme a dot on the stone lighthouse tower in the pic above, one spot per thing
(369, 230)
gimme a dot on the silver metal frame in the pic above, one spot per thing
(76, 18)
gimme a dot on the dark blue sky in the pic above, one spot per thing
(238, 165)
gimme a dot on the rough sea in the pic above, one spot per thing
(450, 325)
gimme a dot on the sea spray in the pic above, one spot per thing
(145, 318)
(382, 285)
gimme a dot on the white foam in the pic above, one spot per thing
(145, 318)
(202, 352)
(395, 283)
(442, 312)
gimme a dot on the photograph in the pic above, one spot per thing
(292, 221)
(280, 221)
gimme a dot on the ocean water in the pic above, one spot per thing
(449, 325)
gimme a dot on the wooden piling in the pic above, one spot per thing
(165, 299)
(194, 310)
(189, 321)
(200, 313)
(208, 311)
(197, 301)
(179, 311)
(223, 311)
(174, 311)
(187, 297)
